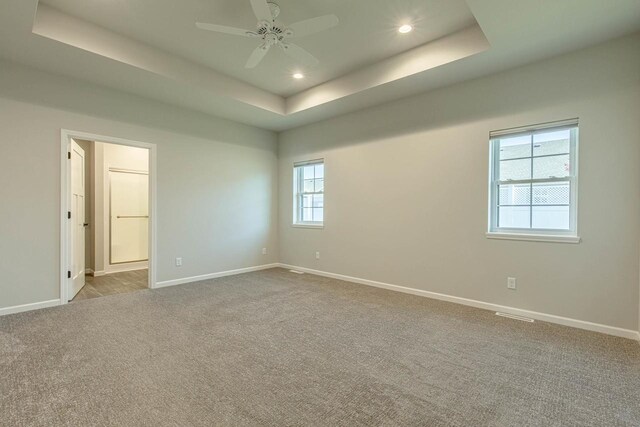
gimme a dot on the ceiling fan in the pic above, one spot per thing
(272, 33)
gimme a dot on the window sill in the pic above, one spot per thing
(308, 225)
(534, 237)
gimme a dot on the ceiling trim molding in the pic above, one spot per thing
(61, 27)
(450, 48)
(58, 26)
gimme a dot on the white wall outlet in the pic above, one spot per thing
(511, 283)
(264, 251)
(178, 262)
(317, 255)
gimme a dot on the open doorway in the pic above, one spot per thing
(107, 236)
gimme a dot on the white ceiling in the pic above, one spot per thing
(367, 33)
(151, 48)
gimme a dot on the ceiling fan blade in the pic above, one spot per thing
(227, 30)
(262, 10)
(313, 25)
(299, 54)
(257, 56)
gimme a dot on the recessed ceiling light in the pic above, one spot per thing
(406, 28)
(298, 76)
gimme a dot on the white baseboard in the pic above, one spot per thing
(28, 307)
(214, 275)
(88, 272)
(99, 273)
(581, 324)
(121, 268)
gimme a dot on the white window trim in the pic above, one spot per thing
(307, 225)
(535, 235)
(297, 195)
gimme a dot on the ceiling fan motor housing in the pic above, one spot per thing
(272, 33)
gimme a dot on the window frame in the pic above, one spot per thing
(534, 234)
(299, 193)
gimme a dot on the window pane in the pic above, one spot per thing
(514, 217)
(540, 155)
(515, 169)
(551, 193)
(518, 194)
(551, 167)
(308, 186)
(309, 182)
(297, 175)
(554, 142)
(308, 172)
(307, 201)
(515, 147)
(551, 217)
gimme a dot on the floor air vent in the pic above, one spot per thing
(513, 316)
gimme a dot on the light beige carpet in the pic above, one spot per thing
(276, 348)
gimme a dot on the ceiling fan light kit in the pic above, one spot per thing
(273, 33)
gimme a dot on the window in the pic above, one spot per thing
(308, 178)
(534, 182)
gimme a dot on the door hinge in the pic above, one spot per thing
(69, 214)
(68, 275)
(69, 155)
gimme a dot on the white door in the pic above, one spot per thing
(129, 231)
(77, 219)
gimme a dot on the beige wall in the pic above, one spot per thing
(406, 189)
(125, 157)
(216, 181)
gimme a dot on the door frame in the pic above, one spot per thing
(65, 202)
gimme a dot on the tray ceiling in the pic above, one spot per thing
(151, 48)
(367, 33)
